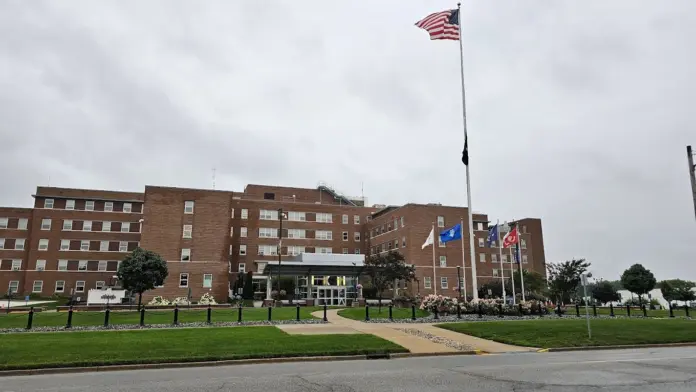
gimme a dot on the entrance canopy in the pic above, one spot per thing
(316, 264)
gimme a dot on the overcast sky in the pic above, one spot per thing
(579, 111)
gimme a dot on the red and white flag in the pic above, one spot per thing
(510, 238)
(441, 25)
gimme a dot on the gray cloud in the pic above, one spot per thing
(578, 112)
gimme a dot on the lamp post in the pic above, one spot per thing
(459, 280)
(280, 246)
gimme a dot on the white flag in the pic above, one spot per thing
(430, 240)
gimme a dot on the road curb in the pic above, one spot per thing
(618, 347)
(258, 361)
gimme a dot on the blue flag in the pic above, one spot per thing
(517, 253)
(492, 235)
(451, 234)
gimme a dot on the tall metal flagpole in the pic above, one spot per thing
(512, 275)
(474, 284)
(500, 249)
(461, 236)
(434, 283)
(519, 260)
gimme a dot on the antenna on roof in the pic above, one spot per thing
(213, 178)
(362, 190)
(49, 181)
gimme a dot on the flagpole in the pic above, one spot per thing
(512, 275)
(463, 257)
(519, 260)
(434, 273)
(500, 250)
(474, 284)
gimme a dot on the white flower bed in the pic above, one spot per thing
(158, 301)
(207, 299)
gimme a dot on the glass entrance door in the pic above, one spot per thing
(331, 295)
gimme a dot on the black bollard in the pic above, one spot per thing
(326, 319)
(239, 313)
(480, 310)
(671, 311)
(500, 310)
(645, 311)
(459, 311)
(30, 320)
(519, 308)
(541, 310)
(176, 314)
(297, 313)
(391, 315)
(594, 310)
(70, 313)
(628, 310)
(437, 316)
(210, 315)
(142, 316)
(270, 310)
(413, 312)
(367, 312)
(558, 310)
(611, 310)
(106, 317)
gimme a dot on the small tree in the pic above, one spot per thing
(248, 290)
(564, 278)
(604, 292)
(638, 280)
(142, 270)
(384, 269)
(533, 281)
(677, 290)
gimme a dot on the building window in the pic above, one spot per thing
(356, 219)
(524, 259)
(323, 235)
(19, 244)
(103, 246)
(89, 205)
(427, 282)
(64, 244)
(45, 224)
(322, 250)
(207, 280)
(523, 244)
(324, 218)
(345, 236)
(297, 216)
(403, 242)
(188, 231)
(443, 282)
(345, 251)
(183, 280)
(82, 265)
(48, 203)
(127, 207)
(494, 258)
(87, 226)
(4, 223)
(67, 224)
(40, 265)
(106, 226)
(123, 246)
(268, 215)
(480, 242)
(241, 267)
(402, 221)
(295, 250)
(266, 232)
(440, 221)
(70, 204)
(80, 286)
(493, 244)
(99, 285)
(495, 272)
(356, 236)
(344, 219)
(440, 243)
(231, 233)
(268, 250)
(102, 265)
(13, 287)
(396, 223)
(185, 254)
(16, 265)
(22, 223)
(482, 257)
(396, 244)
(60, 286)
(479, 225)
(443, 261)
(62, 265)
(188, 207)
(109, 206)
(243, 250)
(37, 287)
(505, 258)
(524, 229)
(84, 245)
(245, 213)
(297, 233)
(125, 227)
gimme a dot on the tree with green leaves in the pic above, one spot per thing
(142, 270)
(638, 280)
(677, 290)
(534, 282)
(604, 292)
(384, 269)
(564, 278)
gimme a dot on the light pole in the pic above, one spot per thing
(280, 246)
(459, 280)
(584, 278)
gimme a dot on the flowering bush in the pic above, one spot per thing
(181, 301)
(440, 303)
(158, 301)
(489, 307)
(207, 299)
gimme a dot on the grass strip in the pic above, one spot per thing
(573, 332)
(375, 313)
(50, 350)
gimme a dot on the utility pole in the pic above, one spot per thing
(692, 175)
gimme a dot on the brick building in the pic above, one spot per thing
(73, 239)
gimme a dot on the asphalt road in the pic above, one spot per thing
(664, 370)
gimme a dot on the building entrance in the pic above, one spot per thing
(331, 295)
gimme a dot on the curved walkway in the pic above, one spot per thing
(417, 338)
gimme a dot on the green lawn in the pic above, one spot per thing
(572, 332)
(52, 319)
(21, 351)
(621, 311)
(397, 313)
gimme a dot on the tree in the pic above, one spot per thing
(638, 280)
(384, 269)
(534, 282)
(142, 270)
(564, 278)
(495, 288)
(677, 290)
(604, 291)
(248, 289)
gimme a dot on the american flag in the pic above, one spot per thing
(441, 25)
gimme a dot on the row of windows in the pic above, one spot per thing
(63, 265)
(294, 216)
(269, 232)
(90, 206)
(87, 245)
(272, 250)
(387, 227)
(103, 226)
(22, 224)
(37, 286)
(6, 243)
(444, 282)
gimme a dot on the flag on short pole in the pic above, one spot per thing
(441, 25)
(430, 240)
(451, 234)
